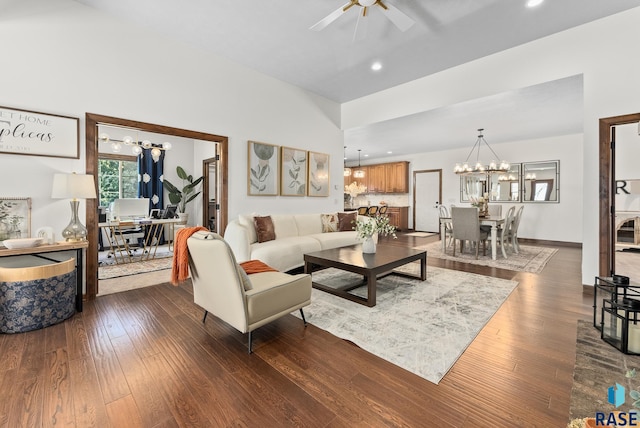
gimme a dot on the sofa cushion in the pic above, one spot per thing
(308, 224)
(335, 240)
(329, 222)
(247, 221)
(286, 253)
(284, 225)
(347, 221)
(264, 228)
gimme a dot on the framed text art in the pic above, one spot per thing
(262, 169)
(24, 132)
(15, 218)
(293, 172)
(318, 177)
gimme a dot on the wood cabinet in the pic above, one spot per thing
(376, 179)
(396, 177)
(383, 178)
(399, 217)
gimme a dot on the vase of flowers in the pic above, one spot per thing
(482, 203)
(367, 228)
(354, 189)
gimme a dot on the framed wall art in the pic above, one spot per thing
(24, 132)
(293, 172)
(15, 218)
(262, 169)
(318, 176)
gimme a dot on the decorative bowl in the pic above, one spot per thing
(13, 244)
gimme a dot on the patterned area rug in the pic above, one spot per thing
(599, 366)
(530, 259)
(134, 268)
(421, 234)
(421, 326)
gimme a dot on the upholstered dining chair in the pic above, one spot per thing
(246, 302)
(363, 210)
(448, 226)
(466, 227)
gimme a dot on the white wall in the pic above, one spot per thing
(64, 58)
(539, 220)
(603, 51)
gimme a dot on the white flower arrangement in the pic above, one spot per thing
(366, 228)
(354, 189)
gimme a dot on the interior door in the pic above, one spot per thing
(427, 196)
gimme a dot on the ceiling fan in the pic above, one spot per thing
(399, 19)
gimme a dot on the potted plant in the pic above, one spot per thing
(183, 196)
(378, 225)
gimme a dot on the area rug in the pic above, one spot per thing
(599, 366)
(421, 326)
(134, 268)
(421, 234)
(529, 259)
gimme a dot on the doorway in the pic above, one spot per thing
(93, 121)
(210, 205)
(427, 197)
(608, 186)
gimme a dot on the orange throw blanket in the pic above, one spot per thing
(180, 265)
(256, 266)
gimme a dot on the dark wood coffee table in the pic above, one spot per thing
(371, 266)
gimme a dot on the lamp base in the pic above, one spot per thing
(75, 231)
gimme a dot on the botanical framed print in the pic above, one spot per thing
(15, 218)
(262, 169)
(24, 132)
(293, 172)
(318, 176)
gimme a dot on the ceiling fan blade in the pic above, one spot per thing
(320, 25)
(399, 19)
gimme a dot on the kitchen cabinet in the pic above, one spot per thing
(397, 177)
(399, 217)
(377, 179)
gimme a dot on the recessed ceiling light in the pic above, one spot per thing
(376, 66)
(534, 3)
(389, 153)
(366, 156)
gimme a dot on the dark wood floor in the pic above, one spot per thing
(143, 358)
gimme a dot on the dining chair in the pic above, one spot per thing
(495, 210)
(448, 226)
(363, 210)
(504, 232)
(514, 230)
(466, 227)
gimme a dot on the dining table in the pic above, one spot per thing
(494, 221)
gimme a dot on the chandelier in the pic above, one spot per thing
(359, 173)
(480, 167)
(136, 146)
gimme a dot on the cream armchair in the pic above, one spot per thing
(246, 302)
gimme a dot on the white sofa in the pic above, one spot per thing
(296, 234)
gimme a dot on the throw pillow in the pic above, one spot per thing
(347, 221)
(264, 228)
(329, 222)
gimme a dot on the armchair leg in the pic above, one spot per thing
(304, 320)
(205, 316)
(250, 344)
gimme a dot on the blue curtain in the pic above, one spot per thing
(150, 185)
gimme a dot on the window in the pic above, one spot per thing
(117, 178)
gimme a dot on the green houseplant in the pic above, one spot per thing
(188, 193)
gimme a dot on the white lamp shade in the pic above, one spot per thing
(73, 186)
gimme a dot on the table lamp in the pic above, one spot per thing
(73, 186)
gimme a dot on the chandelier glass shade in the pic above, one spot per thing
(136, 146)
(468, 167)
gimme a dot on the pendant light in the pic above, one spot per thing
(347, 171)
(359, 173)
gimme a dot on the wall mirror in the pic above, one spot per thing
(541, 181)
(503, 187)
